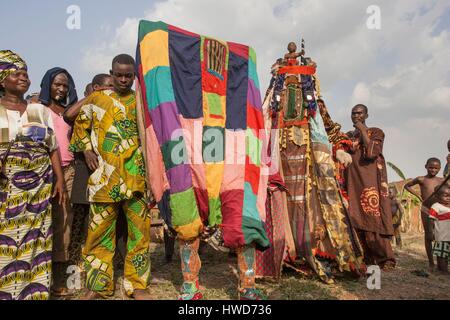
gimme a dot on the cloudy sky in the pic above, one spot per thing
(401, 71)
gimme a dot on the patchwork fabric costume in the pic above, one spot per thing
(203, 129)
(307, 218)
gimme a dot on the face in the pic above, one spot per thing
(60, 87)
(17, 83)
(320, 104)
(444, 196)
(392, 193)
(433, 168)
(122, 77)
(359, 114)
(292, 47)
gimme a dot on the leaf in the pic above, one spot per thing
(397, 170)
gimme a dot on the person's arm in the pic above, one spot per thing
(402, 211)
(409, 185)
(71, 113)
(59, 189)
(373, 144)
(81, 138)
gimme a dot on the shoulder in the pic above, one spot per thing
(38, 108)
(374, 131)
(440, 208)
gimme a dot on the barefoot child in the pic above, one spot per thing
(440, 213)
(397, 214)
(427, 185)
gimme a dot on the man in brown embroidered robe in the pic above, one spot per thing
(368, 191)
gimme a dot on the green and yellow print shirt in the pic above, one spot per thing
(107, 125)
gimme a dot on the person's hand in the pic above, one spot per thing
(360, 126)
(91, 159)
(59, 191)
(343, 157)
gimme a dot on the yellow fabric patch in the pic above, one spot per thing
(189, 231)
(156, 44)
(214, 177)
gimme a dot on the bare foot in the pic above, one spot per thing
(141, 294)
(91, 295)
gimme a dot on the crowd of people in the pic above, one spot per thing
(72, 175)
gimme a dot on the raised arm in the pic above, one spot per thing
(409, 185)
(373, 140)
(71, 113)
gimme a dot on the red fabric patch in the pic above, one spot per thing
(252, 173)
(239, 49)
(147, 119)
(213, 84)
(298, 70)
(232, 202)
(255, 119)
(176, 29)
(202, 203)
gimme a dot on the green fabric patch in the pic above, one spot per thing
(131, 165)
(107, 239)
(159, 86)
(252, 225)
(134, 235)
(214, 104)
(174, 153)
(292, 95)
(148, 26)
(252, 72)
(136, 206)
(215, 212)
(184, 207)
(213, 144)
(253, 147)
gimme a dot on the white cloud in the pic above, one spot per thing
(361, 94)
(402, 72)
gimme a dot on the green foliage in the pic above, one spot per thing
(397, 170)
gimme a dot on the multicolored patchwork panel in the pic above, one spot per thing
(203, 113)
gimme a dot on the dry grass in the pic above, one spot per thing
(218, 276)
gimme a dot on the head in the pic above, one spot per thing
(359, 113)
(443, 195)
(433, 166)
(448, 145)
(320, 103)
(292, 47)
(123, 73)
(59, 88)
(13, 74)
(102, 81)
(88, 90)
(392, 192)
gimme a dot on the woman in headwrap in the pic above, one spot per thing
(58, 93)
(28, 163)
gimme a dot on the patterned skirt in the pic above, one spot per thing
(25, 222)
(441, 249)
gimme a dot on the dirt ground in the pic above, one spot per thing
(218, 276)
